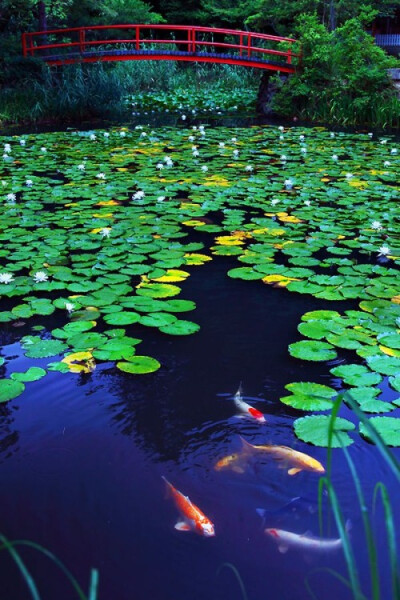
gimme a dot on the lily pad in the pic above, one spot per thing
(387, 427)
(312, 350)
(139, 365)
(45, 348)
(180, 327)
(314, 430)
(10, 389)
(32, 374)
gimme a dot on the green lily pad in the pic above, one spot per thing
(122, 318)
(10, 389)
(157, 319)
(314, 430)
(357, 375)
(32, 374)
(139, 365)
(158, 290)
(387, 427)
(180, 327)
(395, 382)
(312, 350)
(309, 396)
(45, 348)
(387, 365)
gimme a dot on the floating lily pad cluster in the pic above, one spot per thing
(196, 101)
(99, 230)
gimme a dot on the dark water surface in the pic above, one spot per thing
(81, 460)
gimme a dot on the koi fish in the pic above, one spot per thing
(245, 408)
(305, 541)
(192, 519)
(299, 461)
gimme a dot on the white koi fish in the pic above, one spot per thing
(305, 541)
(245, 408)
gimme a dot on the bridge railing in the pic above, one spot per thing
(192, 39)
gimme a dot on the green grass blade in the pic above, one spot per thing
(53, 558)
(348, 552)
(390, 529)
(376, 438)
(237, 575)
(94, 584)
(20, 564)
(372, 554)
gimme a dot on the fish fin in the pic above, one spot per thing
(182, 526)
(168, 487)
(283, 548)
(294, 471)
(238, 469)
(246, 446)
(262, 512)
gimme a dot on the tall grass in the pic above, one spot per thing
(100, 90)
(11, 548)
(353, 582)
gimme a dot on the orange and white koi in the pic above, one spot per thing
(305, 541)
(246, 409)
(299, 461)
(192, 518)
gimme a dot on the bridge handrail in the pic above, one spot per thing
(30, 46)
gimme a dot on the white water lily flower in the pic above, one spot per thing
(204, 168)
(106, 134)
(7, 148)
(383, 141)
(384, 250)
(105, 232)
(159, 166)
(387, 163)
(138, 195)
(335, 157)
(370, 134)
(349, 175)
(143, 134)
(191, 138)
(11, 197)
(235, 152)
(303, 150)
(160, 198)
(275, 201)
(40, 277)
(283, 157)
(92, 136)
(6, 278)
(29, 182)
(122, 133)
(169, 163)
(248, 168)
(233, 139)
(202, 132)
(43, 149)
(332, 134)
(81, 167)
(393, 151)
(183, 117)
(288, 184)
(100, 176)
(221, 144)
(194, 147)
(22, 142)
(69, 307)
(281, 137)
(307, 202)
(281, 128)
(196, 153)
(301, 137)
(377, 225)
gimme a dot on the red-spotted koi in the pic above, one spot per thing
(288, 539)
(192, 519)
(246, 409)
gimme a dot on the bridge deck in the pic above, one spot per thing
(203, 44)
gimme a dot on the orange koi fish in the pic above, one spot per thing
(192, 519)
(246, 409)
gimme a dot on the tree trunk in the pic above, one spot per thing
(332, 16)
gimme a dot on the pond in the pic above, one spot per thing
(147, 275)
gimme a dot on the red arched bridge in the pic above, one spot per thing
(162, 42)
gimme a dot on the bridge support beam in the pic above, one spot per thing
(267, 90)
